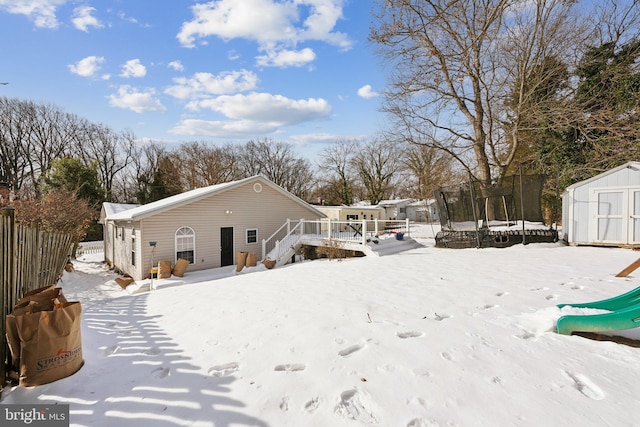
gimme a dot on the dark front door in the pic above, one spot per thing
(226, 246)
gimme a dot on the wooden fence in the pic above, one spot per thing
(30, 259)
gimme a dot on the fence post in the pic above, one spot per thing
(7, 282)
(364, 232)
(376, 227)
(329, 228)
(407, 227)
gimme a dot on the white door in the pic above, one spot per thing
(634, 216)
(611, 218)
(617, 215)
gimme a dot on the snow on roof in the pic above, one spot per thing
(394, 202)
(114, 208)
(167, 203)
(361, 207)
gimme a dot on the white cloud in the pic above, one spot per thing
(82, 18)
(276, 26)
(367, 92)
(207, 84)
(130, 98)
(265, 107)
(176, 65)
(223, 129)
(87, 67)
(286, 58)
(41, 12)
(252, 114)
(133, 68)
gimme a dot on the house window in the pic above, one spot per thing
(252, 235)
(133, 248)
(351, 217)
(186, 244)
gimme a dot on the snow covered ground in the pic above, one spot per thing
(426, 337)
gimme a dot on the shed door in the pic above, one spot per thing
(226, 246)
(611, 223)
(634, 216)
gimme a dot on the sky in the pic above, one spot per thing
(299, 71)
(427, 337)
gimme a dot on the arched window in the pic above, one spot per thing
(186, 244)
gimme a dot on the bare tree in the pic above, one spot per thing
(339, 178)
(13, 159)
(376, 163)
(428, 169)
(277, 162)
(112, 150)
(452, 79)
(205, 164)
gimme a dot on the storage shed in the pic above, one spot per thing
(605, 209)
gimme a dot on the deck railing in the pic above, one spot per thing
(357, 232)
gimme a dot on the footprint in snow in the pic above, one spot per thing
(223, 370)
(161, 372)
(354, 405)
(312, 405)
(409, 334)
(154, 351)
(421, 422)
(290, 367)
(350, 350)
(110, 350)
(284, 404)
(585, 386)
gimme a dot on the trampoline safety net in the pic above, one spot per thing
(462, 206)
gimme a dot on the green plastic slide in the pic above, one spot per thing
(624, 314)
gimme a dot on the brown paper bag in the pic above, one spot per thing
(124, 281)
(164, 269)
(46, 293)
(50, 343)
(252, 259)
(181, 267)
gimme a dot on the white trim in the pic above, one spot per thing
(246, 236)
(175, 242)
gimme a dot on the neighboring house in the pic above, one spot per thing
(346, 213)
(605, 209)
(396, 209)
(423, 211)
(206, 226)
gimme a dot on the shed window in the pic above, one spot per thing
(252, 235)
(351, 217)
(186, 244)
(122, 233)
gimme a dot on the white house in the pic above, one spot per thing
(423, 211)
(207, 226)
(397, 208)
(346, 213)
(605, 209)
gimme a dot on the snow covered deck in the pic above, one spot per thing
(372, 237)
